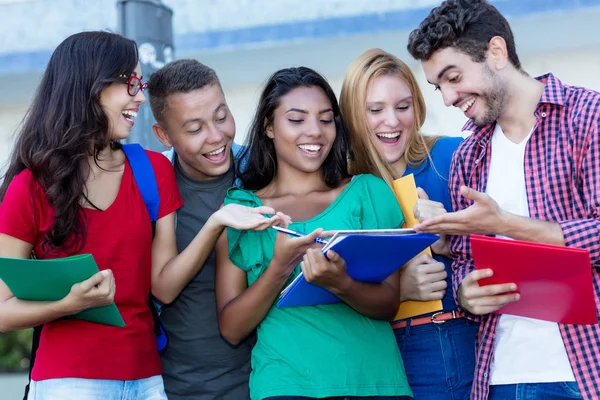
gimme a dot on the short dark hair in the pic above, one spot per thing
(259, 155)
(180, 76)
(467, 25)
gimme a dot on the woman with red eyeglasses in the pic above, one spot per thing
(69, 190)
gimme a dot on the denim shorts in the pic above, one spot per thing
(97, 389)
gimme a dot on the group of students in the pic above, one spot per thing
(529, 170)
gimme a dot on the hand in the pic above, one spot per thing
(327, 234)
(330, 274)
(480, 300)
(247, 218)
(442, 246)
(426, 209)
(423, 279)
(483, 217)
(97, 291)
(289, 250)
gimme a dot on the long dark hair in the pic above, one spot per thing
(65, 124)
(258, 162)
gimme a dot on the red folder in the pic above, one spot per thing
(555, 282)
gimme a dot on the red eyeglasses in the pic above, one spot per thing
(134, 85)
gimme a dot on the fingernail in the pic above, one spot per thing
(517, 297)
(513, 287)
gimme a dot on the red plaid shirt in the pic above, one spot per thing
(562, 177)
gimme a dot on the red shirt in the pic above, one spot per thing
(120, 239)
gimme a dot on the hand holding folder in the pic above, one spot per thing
(554, 282)
(405, 190)
(51, 280)
(370, 256)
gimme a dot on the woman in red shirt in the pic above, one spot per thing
(69, 190)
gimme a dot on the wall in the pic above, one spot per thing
(12, 386)
(39, 25)
(246, 40)
(575, 68)
(10, 118)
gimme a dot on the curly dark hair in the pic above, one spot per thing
(467, 25)
(259, 153)
(66, 124)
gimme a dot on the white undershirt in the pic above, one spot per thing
(527, 350)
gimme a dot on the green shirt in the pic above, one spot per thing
(328, 350)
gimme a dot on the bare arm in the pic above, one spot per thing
(240, 308)
(374, 300)
(533, 230)
(18, 314)
(172, 271)
(484, 217)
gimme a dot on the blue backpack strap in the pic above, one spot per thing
(143, 173)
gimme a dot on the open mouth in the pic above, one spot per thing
(310, 149)
(217, 155)
(466, 106)
(129, 115)
(389, 138)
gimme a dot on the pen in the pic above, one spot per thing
(298, 234)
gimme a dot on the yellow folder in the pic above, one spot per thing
(405, 190)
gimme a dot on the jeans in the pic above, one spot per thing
(97, 389)
(341, 398)
(535, 391)
(439, 359)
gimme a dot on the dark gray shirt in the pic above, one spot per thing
(199, 364)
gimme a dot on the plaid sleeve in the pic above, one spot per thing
(584, 233)
(460, 246)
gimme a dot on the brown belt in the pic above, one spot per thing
(437, 318)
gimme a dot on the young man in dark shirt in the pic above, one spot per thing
(195, 122)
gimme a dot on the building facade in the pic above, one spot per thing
(246, 40)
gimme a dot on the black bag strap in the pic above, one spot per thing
(151, 304)
(35, 343)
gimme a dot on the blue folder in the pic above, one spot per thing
(369, 258)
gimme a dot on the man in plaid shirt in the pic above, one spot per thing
(529, 171)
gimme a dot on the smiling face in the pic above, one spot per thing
(200, 127)
(121, 108)
(390, 115)
(303, 129)
(473, 87)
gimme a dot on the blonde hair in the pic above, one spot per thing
(365, 158)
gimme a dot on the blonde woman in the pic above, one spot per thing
(384, 109)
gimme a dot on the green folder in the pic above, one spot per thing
(51, 280)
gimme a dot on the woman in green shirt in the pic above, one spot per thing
(296, 163)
